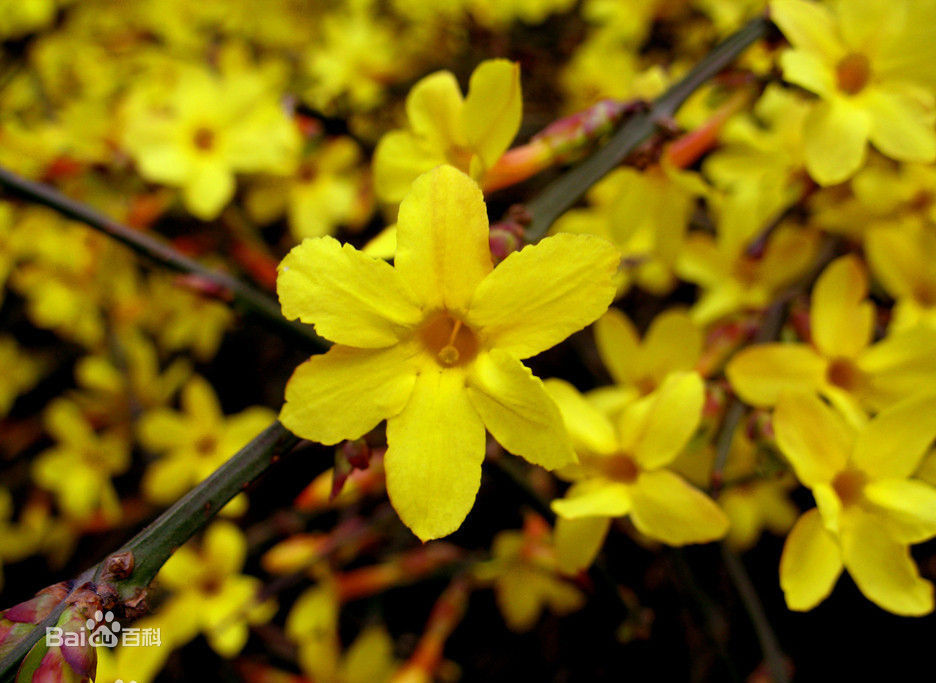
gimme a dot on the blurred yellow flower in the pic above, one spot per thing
(206, 129)
(433, 345)
(859, 59)
(869, 508)
(623, 470)
(469, 133)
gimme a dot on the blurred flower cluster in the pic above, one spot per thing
(755, 284)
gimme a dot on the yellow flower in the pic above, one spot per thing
(902, 257)
(672, 343)
(313, 625)
(325, 191)
(79, 467)
(841, 363)
(870, 509)
(195, 442)
(863, 64)
(468, 133)
(211, 596)
(623, 470)
(730, 278)
(19, 17)
(433, 345)
(206, 129)
(525, 573)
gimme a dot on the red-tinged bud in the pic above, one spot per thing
(350, 455)
(295, 553)
(503, 241)
(39, 607)
(145, 209)
(65, 655)
(62, 168)
(759, 428)
(317, 495)
(716, 397)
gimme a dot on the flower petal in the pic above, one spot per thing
(808, 70)
(835, 137)
(493, 109)
(759, 374)
(902, 123)
(811, 563)
(812, 436)
(578, 541)
(442, 239)
(673, 342)
(594, 498)
(883, 568)
(669, 509)
(433, 108)
(398, 160)
(345, 392)
(893, 444)
(808, 26)
(517, 411)
(841, 320)
(911, 503)
(586, 425)
(618, 345)
(351, 298)
(515, 311)
(434, 455)
(671, 419)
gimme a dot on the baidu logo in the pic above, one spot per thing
(103, 631)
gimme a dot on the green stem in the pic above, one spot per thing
(564, 192)
(160, 253)
(156, 543)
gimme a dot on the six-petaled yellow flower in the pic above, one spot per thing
(434, 343)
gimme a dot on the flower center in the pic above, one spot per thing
(843, 374)
(925, 294)
(204, 139)
(853, 73)
(447, 338)
(206, 445)
(306, 173)
(848, 486)
(621, 467)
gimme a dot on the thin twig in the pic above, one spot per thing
(564, 192)
(160, 253)
(770, 646)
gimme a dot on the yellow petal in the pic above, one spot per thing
(208, 189)
(811, 563)
(893, 444)
(672, 418)
(759, 374)
(669, 509)
(168, 478)
(515, 311)
(882, 567)
(161, 429)
(433, 460)
(224, 548)
(344, 393)
(812, 436)
(442, 239)
(898, 366)
(841, 320)
(594, 498)
(910, 504)
(200, 401)
(517, 411)
(434, 107)
(578, 541)
(896, 258)
(902, 123)
(398, 160)
(808, 70)
(586, 425)
(673, 342)
(835, 138)
(351, 298)
(618, 345)
(808, 26)
(493, 109)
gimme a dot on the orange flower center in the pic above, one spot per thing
(449, 339)
(621, 467)
(206, 445)
(848, 486)
(843, 374)
(853, 73)
(204, 139)
(925, 294)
